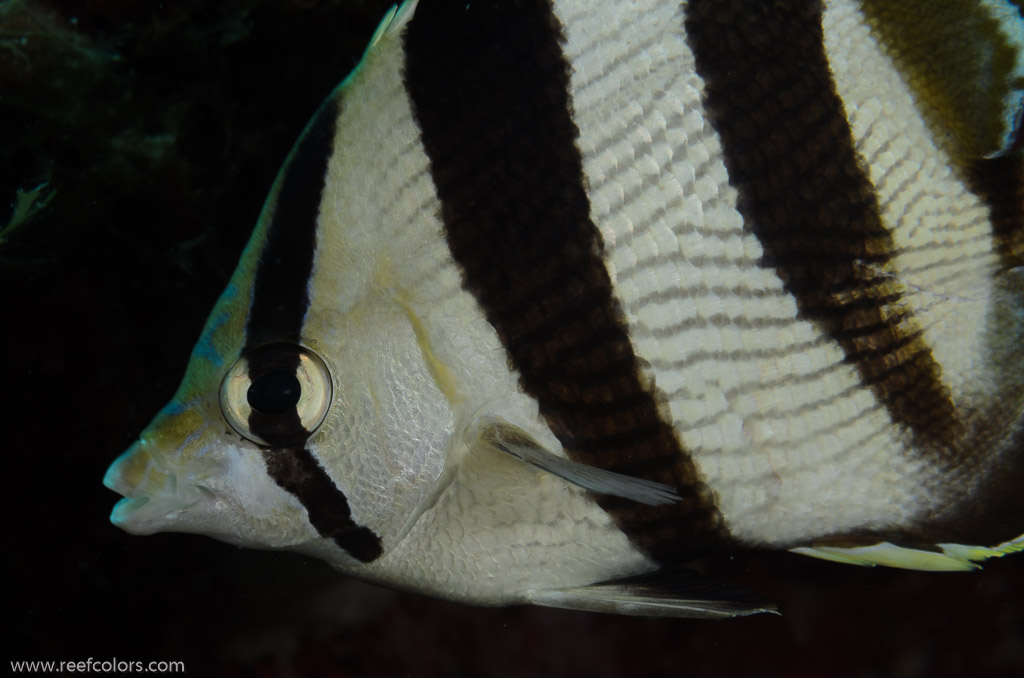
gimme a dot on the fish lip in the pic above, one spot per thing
(132, 502)
(125, 512)
(138, 454)
(157, 496)
(112, 480)
(144, 515)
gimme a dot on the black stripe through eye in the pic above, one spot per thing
(274, 394)
(280, 294)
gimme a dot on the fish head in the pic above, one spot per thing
(313, 415)
(185, 475)
(331, 443)
(190, 471)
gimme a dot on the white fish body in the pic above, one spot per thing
(530, 322)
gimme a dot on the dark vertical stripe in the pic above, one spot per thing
(280, 294)
(296, 471)
(806, 195)
(280, 299)
(489, 88)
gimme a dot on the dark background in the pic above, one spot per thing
(160, 126)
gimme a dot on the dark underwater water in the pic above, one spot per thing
(160, 127)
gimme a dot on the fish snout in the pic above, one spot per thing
(154, 500)
(125, 473)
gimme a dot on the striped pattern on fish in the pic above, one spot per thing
(721, 253)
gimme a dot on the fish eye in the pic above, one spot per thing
(276, 395)
(275, 392)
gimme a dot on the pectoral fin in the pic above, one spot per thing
(672, 593)
(514, 441)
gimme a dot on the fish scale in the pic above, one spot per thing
(576, 292)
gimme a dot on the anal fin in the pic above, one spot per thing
(889, 555)
(979, 553)
(666, 593)
(944, 558)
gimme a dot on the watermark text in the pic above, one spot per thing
(91, 665)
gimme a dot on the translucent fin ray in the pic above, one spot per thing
(673, 593)
(517, 443)
(393, 22)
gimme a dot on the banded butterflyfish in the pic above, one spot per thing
(553, 297)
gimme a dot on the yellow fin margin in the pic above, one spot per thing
(951, 558)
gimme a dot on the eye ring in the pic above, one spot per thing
(276, 395)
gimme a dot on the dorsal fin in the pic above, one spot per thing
(965, 62)
(393, 22)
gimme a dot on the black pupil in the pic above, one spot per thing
(275, 392)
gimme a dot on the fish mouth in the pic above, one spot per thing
(114, 480)
(125, 512)
(154, 500)
(129, 471)
(145, 515)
